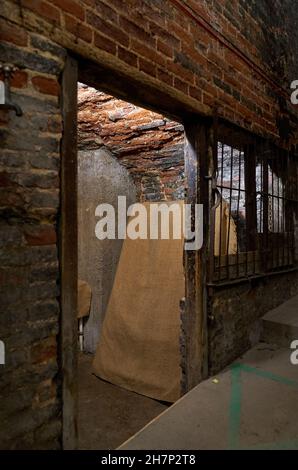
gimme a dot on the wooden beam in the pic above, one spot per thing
(128, 88)
(68, 254)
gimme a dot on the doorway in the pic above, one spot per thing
(130, 155)
(191, 308)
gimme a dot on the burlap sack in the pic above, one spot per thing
(139, 345)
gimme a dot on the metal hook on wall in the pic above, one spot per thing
(5, 99)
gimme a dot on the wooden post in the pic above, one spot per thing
(195, 262)
(68, 254)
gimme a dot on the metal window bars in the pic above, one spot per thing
(252, 221)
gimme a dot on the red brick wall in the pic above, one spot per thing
(207, 54)
(235, 54)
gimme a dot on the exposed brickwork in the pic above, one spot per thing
(175, 52)
(46, 85)
(29, 187)
(235, 55)
(149, 145)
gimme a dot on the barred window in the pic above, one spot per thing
(252, 221)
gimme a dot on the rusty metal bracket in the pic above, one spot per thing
(5, 99)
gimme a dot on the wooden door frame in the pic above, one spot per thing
(68, 246)
(197, 131)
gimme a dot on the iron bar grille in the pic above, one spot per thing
(253, 218)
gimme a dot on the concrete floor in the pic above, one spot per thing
(251, 405)
(109, 415)
(280, 326)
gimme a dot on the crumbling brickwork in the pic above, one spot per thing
(148, 144)
(236, 55)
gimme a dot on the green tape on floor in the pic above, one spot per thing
(266, 375)
(235, 405)
(235, 408)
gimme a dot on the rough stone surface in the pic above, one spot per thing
(236, 315)
(101, 179)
